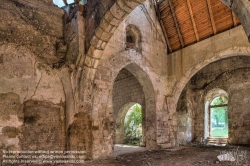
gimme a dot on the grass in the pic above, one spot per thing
(219, 132)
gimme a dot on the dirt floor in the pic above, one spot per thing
(183, 156)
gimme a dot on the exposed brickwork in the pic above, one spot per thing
(43, 126)
(10, 121)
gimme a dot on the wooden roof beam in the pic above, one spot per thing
(234, 18)
(193, 21)
(176, 23)
(162, 26)
(211, 16)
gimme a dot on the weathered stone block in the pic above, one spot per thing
(104, 24)
(117, 11)
(95, 53)
(88, 61)
(106, 36)
(103, 45)
(131, 4)
(96, 63)
(96, 42)
(123, 6)
(109, 16)
(115, 22)
(98, 32)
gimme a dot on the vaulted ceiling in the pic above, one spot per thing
(185, 22)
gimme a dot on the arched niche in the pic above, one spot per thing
(133, 38)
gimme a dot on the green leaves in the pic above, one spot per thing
(133, 123)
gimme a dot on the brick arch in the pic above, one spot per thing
(104, 79)
(231, 52)
(108, 24)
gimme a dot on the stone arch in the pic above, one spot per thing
(230, 52)
(242, 9)
(119, 122)
(104, 79)
(108, 24)
(133, 37)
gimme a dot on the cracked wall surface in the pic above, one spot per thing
(30, 24)
(33, 83)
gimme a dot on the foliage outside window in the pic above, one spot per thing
(219, 117)
(133, 125)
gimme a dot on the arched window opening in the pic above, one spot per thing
(133, 125)
(219, 117)
(133, 38)
(216, 124)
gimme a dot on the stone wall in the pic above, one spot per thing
(232, 75)
(33, 83)
(43, 126)
(126, 89)
(148, 65)
(57, 68)
(94, 12)
(185, 63)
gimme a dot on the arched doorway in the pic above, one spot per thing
(129, 125)
(127, 95)
(108, 83)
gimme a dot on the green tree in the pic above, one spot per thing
(132, 121)
(220, 113)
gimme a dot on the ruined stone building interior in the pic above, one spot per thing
(69, 72)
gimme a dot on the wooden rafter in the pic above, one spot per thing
(211, 16)
(176, 23)
(162, 26)
(193, 21)
(234, 18)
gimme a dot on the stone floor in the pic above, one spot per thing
(120, 149)
(181, 156)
